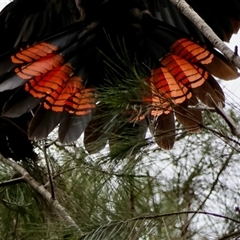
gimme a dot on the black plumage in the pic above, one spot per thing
(57, 54)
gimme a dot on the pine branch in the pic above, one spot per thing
(155, 216)
(59, 209)
(117, 224)
(207, 31)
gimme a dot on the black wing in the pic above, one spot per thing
(55, 64)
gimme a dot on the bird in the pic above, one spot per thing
(65, 62)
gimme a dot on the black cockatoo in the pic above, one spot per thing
(56, 56)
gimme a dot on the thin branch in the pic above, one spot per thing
(222, 169)
(230, 236)
(49, 171)
(184, 212)
(166, 230)
(156, 216)
(206, 109)
(221, 135)
(80, 9)
(11, 182)
(207, 31)
(59, 209)
(234, 129)
(14, 124)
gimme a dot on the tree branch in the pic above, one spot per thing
(11, 182)
(59, 209)
(207, 31)
(231, 235)
(222, 169)
(157, 216)
(49, 171)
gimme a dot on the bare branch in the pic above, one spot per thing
(59, 209)
(222, 169)
(207, 31)
(49, 171)
(219, 109)
(184, 212)
(11, 182)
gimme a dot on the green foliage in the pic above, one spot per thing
(127, 198)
